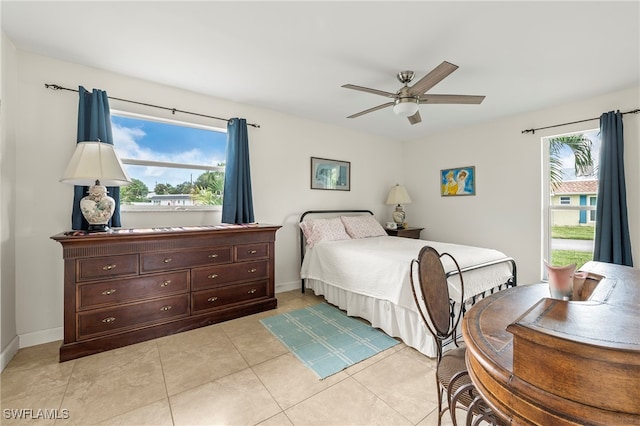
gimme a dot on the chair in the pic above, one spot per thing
(444, 315)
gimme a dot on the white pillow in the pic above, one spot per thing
(362, 226)
(317, 230)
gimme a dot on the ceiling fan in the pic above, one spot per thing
(406, 100)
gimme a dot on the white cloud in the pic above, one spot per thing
(126, 141)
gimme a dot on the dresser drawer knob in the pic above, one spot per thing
(108, 320)
(213, 255)
(212, 299)
(167, 260)
(252, 270)
(253, 290)
(109, 292)
(212, 276)
(252, 251)
(165, 308)
(108, 267)
(165, 283)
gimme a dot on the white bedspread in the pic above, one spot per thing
(379, 267)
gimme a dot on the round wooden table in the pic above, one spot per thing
(537, 360)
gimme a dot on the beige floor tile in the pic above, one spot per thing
(432, 418)
(237, 399)
(372, 360)
(156, 414)
(279, 419)
(287, 301)
(197, 337)
(245, 325)
(345, 403)
(108, 384)
(234, 372)
(259, 345)
(404, 382)
(290, 382)
(16, 383)
(188, 366)
(36, 356)
(35, 408)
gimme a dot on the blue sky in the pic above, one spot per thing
(567, 157)
(151, 140)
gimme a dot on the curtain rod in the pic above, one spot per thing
(173, 110)
(533, 131)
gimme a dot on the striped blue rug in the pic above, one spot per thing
(325, 339)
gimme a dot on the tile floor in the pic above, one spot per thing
(233, 373)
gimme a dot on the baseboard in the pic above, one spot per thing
(291, 285)
(9, 352)
(40, 337)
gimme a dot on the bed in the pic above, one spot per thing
(348, 258)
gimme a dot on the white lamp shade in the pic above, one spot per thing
(398, 195)
(93, 161)
(405, 107)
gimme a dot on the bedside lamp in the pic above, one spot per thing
(398, 196)
(97, 165)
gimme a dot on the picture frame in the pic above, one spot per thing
(458, 181)
(330, 174)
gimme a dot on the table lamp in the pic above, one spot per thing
(96, 164)
(398, 196)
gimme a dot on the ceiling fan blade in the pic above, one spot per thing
(434, 77)
(451, 99)
(415, 118)
(388, 104)
(368, 90)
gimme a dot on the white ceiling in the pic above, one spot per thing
(294, 56)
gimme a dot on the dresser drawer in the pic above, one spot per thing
(221, 297)
(105, 293)
(251, 251)
(93, 268)
(203, 278)
(168, 260)
(112, 320)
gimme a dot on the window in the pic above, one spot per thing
(570, 185)
(592, 214)
(173, 165)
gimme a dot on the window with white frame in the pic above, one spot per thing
(569, 225)
(172, 164)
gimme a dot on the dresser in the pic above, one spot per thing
(133, 285)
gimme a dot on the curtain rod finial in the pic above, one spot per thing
(532, 131)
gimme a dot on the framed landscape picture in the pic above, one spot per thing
(330, 174)
(458, 181)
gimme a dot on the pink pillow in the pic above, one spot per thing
(362, 226)
(317, 230)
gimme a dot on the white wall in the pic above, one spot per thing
(46, 123)
(8, 332)
(506, 213)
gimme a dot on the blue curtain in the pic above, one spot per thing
(94, 123)
(612, 241)
(237, 202)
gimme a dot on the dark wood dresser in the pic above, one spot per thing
(132, 285)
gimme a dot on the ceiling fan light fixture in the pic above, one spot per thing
(406, 107)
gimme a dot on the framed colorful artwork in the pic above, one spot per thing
(458, 181)
(330, 174)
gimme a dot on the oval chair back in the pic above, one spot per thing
(434, 295)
